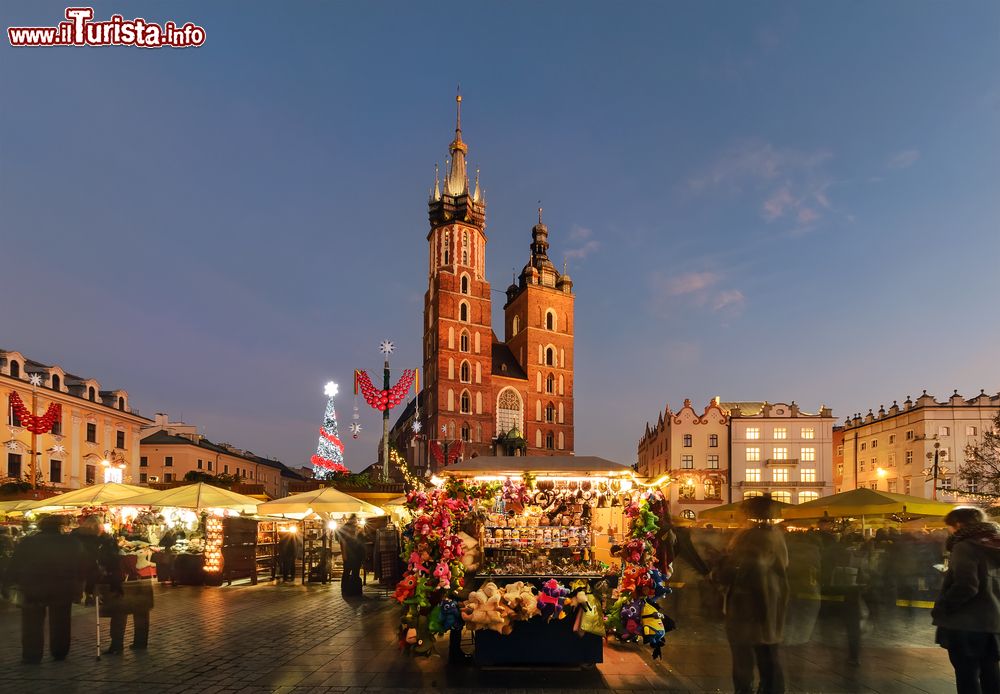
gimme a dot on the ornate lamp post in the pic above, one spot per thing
(934, 470)
(386, 398)
(114, 468)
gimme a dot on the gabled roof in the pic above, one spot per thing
(504, 363)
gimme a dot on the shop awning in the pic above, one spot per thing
(733, 513)
(867, 502)
(324, 501)
(198, 496)
(94, 495)
(556, 465)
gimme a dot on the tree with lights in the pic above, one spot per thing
(329, 458)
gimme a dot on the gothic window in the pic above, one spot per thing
(515, 325)
(463, 312)
(465, 431)
(466, 402)
(465, 239)
(550, 441)
(465, 284)
(465, 257)
(465, 372)
(509, 411)
(447, 247)
(550, 320)
(550, 413)
(550, 356)
(463, 341)
(550, 384)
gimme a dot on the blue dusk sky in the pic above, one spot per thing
(780, 201)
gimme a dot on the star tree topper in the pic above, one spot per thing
(330, 389)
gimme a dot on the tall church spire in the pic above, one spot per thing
(457, 181)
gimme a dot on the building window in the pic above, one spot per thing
(57, 427)
(713, 440)
(119, 439)
(892, 439)
(168, 477)
(15, 370)
(550, 320)
(550, 384)
(143, 461)
(687, 440)
(753, 474)
(808, 433)
(944, 431)
(466, 403)
(909, 457)
(463, 312)
(780, 453)
(225, 469)
(465, 372)
(753, 433)
(56, 383)
(840, 470)
(779, 474)
(550, 356)
(686, 491)
(143, 478)
(121, 404)
(92, 394)
(90, 474)
(465, 431)
(945, 484)
(808, 455)
(751, 495)
(550, 413)
(892, 486)
(91, 432)
(783, 497)
(463, 341)
(864, 446)
(909, 435)
(465, 284)
(508, 411)
(753, 454)
(906, 486)
(55, 471)
(199, 464)
(713, 490)
(892, 458)
(780, 433)
(210, 464)
(808, 496)
(873, 485)
(713, 462)
(515, 325)
(687, 462)
(807, 475)
(550, 441)
(14, 463)
(874, 443)
(970, 431)
(168, 461)
(840, 450)
(447, 247)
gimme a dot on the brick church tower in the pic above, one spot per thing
(499, 398)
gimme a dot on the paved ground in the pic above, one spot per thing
(290, 638)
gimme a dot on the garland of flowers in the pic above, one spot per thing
(34, 423)
(635, 614)
(433, 551)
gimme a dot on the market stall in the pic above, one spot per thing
(539, 556)
(863, 506)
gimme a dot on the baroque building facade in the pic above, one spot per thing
(483, 395)
(893, 450)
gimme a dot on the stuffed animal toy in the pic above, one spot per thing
(653, 632)
(416, 564)
(443, 574)
(419, 599)
(631, 620)
(659, 584)
(450, 616)
(629, 578)
(520, 599)
(551, 600)
(405, 588)
(422, 526)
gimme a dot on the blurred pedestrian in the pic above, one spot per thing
(48, 570)
(352, 549)
(967, 612)
(754, 581)
(130, 597)
(289, 548)
(102, 556)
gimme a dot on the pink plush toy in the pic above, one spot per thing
(443, 573)
(416, 565)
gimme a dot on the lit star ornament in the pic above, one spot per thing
(35, 380)
(330, 389)
(386, 347)
(417, 426)
(355, 429)
(444, 429)
(58, 448)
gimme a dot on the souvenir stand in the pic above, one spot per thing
(547, 582)
(266, 555)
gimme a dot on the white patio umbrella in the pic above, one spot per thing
(323, 501)
(94, 495)
(198, 496)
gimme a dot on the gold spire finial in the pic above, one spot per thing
(539, 211)
(458, 116)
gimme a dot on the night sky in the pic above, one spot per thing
(781, 201)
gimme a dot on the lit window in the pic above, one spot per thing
(780, 474)
(713, 440)
(780, 433)
(753, 474)
(807, 475)
(892, 486)
(751, 495)
(783, 497)
(686, 491)
(687, 440)
(780, 453)
(808, 496)
(808, 455)
(808, 433)
(753, 454)
(909, 457)
(687, 462)
(874, 443)
(713, 462)
(753, 432)
(713, 490)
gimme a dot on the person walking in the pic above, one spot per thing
(352, 549)
(754, 581)
(48, 570)
(967, 612)
(131, 597)
(102, 555)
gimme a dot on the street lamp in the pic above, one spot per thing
(114, 468)
(935, 470)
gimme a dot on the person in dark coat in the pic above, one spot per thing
(102, 556)
(132, 597)
(753, 577)
(48, 569)
(967, 612)
(352, 549)
(289, 548)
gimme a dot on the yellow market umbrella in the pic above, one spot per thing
(733, 513)
(198, 496)
(867, 502)
(94, 495)
(324, 500)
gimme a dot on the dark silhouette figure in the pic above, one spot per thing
(289, 548)
(352, 549)
(967, 612)
(754, 581)
(48, 569)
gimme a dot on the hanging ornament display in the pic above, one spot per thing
(355, 429)
(329, 458)
(383, 400)
(454, 452)
(35, 424)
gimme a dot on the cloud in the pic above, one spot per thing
(700, 289)
(903, 159)
(731, 300)
(690, 282)
(584, 242)
(776, 205)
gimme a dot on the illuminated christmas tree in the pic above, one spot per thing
(329, 458)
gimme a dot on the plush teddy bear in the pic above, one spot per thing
(474, 611)
(521, 600)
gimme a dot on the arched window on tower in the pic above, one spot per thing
(463, 312)
(550, 384)
(550, 441)
(463, 341)
(465, 372)
(550, 356)
(447, 248)
(515, 325)
(465, 431)
(550, 320)
(509, 412)
(466, 402)
(550, 413)
(465, 284)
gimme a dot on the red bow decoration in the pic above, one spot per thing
(454, 452)
(31, 422)
(383, 400)
(332, 439)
